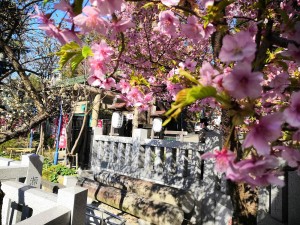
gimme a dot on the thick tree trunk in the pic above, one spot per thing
(245, 204)
(244, 199)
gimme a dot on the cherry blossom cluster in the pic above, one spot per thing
(162, 49)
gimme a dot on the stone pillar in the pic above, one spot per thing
(74, 198)
(35, 167)
(138, 153)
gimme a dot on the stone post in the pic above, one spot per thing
(74, 198)
(138, 153)
(35, 167)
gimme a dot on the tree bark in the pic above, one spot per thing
(245, 204)
(25, 127)
(244, 199)
(40, 148)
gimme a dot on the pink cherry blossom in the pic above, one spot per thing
(189, 64)
(265, 180)
(292, 156)
(173, 89)
(268, 129)
(209, 30)
(296, 135)
(69, 36)
(256, 172)
(97, 66)
(90, 20)
(122, 25)
(223, 158)
(95, 80)
(193, 29)
(207, 3)
(152, 79)
(217, 83)
(170, 2)
(64, 5)
(237, 47)
(107, 6)
(108, 83)
(148, 98)
(258, 167)
(294, 53)
(134, 96)
(42, 18)
(207, 73)
(123, 86)
(242, 82)
(280, 82)
(102, 51)
(292, 113)
(168, 23)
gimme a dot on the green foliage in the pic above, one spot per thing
(86, 51)
(215, 12)
(73, 53)
(137, 80)
(148, 5)
(51, 172)
(188, 96)
(188, 76)
(20, 142)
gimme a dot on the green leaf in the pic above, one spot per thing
(87, 51)
(68, 51)
(187, 97)
(188, 76)
(200, 92)
(75, 61)
(45, 2)
(148, 5)
(161, 7)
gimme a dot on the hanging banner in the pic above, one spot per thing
(100, 123)
(63, 132)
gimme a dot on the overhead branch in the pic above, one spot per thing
(31, 91)
(24, 128)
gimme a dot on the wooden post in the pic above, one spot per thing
(95, 110)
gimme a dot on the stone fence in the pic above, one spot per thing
(26, 204)
(179, 165)
(175, 164)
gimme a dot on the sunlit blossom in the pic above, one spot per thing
(90, 20)
(242, 82)
(223, 158)
(268, 129)
(168, 23)
(292, 113)
(237, 47)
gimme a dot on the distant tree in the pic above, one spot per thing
(26, 69)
